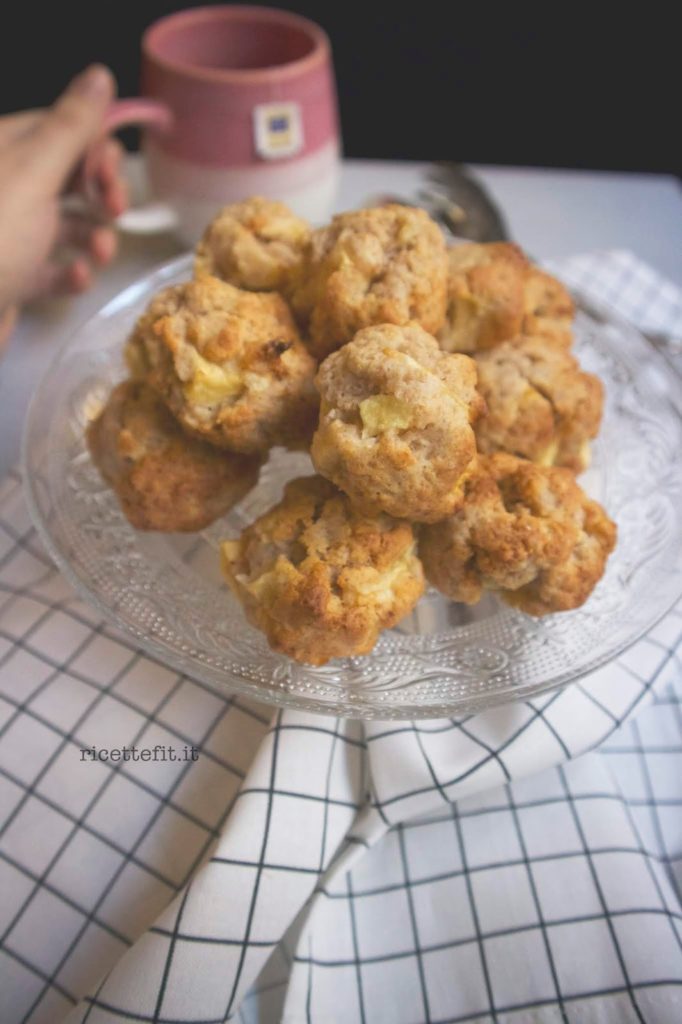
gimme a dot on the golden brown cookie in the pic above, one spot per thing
(258, 244)
(548, 308)
(539, 403)
(395, 422)
(164, 480)
(320, 579)
(382, 265)
(229, 364)
(526, 531)
(485, 295)
(495, 293)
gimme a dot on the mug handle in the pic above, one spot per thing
(153, 217)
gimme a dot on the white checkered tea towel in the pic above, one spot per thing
(262, 866)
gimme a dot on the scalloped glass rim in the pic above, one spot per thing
(444, 660)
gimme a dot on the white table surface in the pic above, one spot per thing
(554, 214)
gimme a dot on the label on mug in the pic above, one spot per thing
(278, 130)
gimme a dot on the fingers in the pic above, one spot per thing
(69, 278)
(82, 247)
(106, 186)
(97, 241)
(61, 138)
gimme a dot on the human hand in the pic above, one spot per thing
(43, 248)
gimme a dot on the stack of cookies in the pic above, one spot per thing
(435, 389)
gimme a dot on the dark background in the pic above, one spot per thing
(482, 83)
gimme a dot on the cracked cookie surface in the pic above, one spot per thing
(495, 293)
(320, 579)
(528, 532)
(382, 265)
(539, 403)
(258, 244)
(229, 364)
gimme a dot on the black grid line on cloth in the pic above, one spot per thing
(259, 871)
(600, 892)
(163, 803)
(414, 926)
(653, 802)
(311, 798)
(327, 785)
(356, 949)
(670, 748)
(491, 933)
(474, 912)
(327, 731)
(537, 903)
(314, 798)
(169, 958)
(210, 940)
(94, 1002)
(309, 993)
(88, 916)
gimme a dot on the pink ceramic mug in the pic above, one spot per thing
(238, 101)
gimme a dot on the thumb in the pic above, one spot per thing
(63, 135)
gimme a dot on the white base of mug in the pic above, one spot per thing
(194, 193)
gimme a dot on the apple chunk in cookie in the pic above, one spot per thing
(395, 429)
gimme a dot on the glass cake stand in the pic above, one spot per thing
(445, 659)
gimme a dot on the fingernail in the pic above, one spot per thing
(95, 81)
